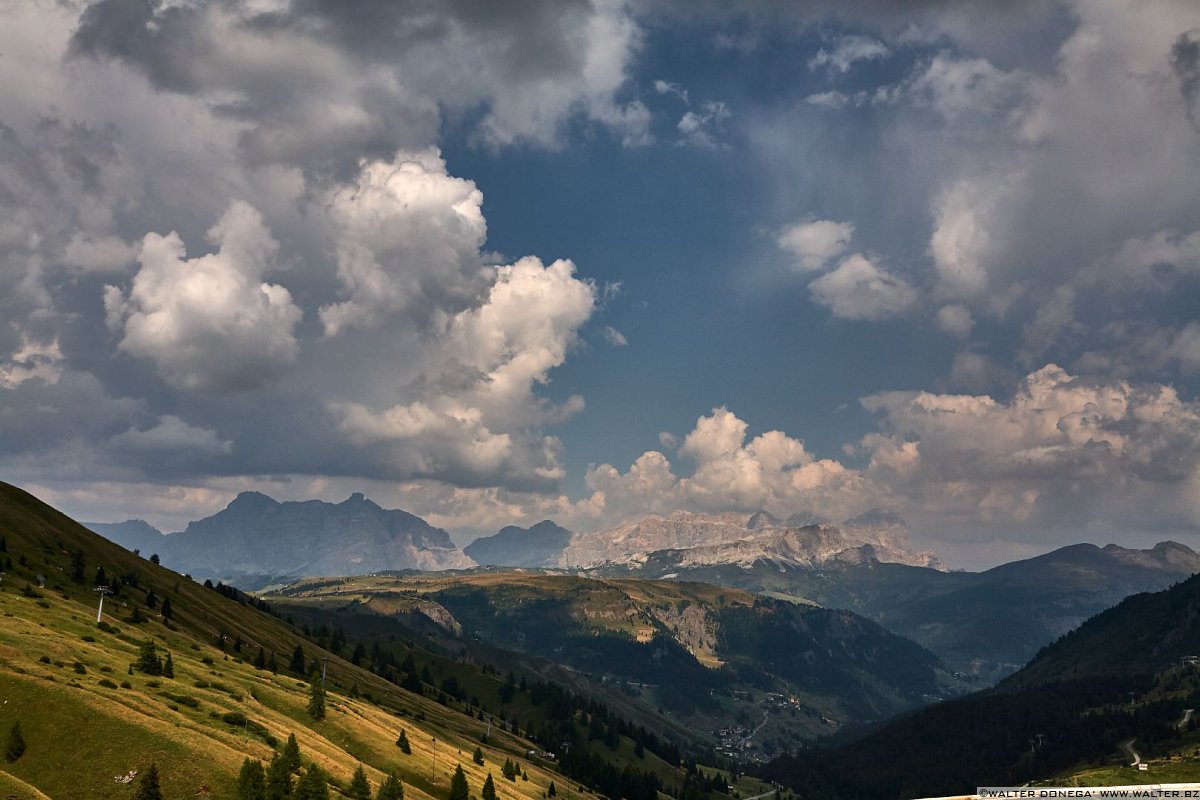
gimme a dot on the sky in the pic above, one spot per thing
(495, 263)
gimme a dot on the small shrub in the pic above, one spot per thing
(15, 747)
(202, 684)
(107, 684)
(44, 660)
(87, 637)
(153, 684)
(44, 604)
(182, 699)
(80, 669)
(206, 660)
(126, 685)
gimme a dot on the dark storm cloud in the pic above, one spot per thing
(1185, 60)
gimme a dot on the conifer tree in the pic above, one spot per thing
(509, 770)
(291, 754)
(279, 779)
(402, 743)
(151, 599)
(101, 578)
(15, 747)
(168, 669)
(252, 781)
(478, 757)
(297, 663)
(166, 611)
(148, 660)
(390, 789)
(458, 786)
(77, 566)
(272, 664)
(148, 788)
(260, 660)
(316, 696)
(313, 785)
(489, 789)
(359, 788)
(551, 792)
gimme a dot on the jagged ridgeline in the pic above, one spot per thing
(193, 681)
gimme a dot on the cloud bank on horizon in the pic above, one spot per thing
(244, 245)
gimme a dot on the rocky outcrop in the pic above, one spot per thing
(540, 545)
(692, 539)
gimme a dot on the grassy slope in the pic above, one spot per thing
(80, 734)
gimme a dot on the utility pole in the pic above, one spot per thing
(103, 590)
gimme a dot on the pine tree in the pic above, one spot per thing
(168, 669)
(260, 660)
(458, 786)
(165, 611)
(252, 781)
(313, 785)
(279, 778)
(101, 578)
(296, 665)
(390, 789)
(291, 754)
(272, 664)
(77, 566)
(489, 789)
(478, 757)
(509, 770)
(402, 743)
(148, 788)
(151, 599)
(316, 696)
(135, 616)
(16, 743)
(359, 788)
(148, 660)
(551, 792)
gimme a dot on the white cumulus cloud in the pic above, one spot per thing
(209, 322)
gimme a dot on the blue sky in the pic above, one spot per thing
(597, 260)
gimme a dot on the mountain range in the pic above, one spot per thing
(982, 625)
(255, 536)
(695, 539)
(986, 624)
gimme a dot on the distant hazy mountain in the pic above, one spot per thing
(986, 623)
(540, 545)
(132, 534)
(688, 540)
(255, 535)
(1147, 632)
